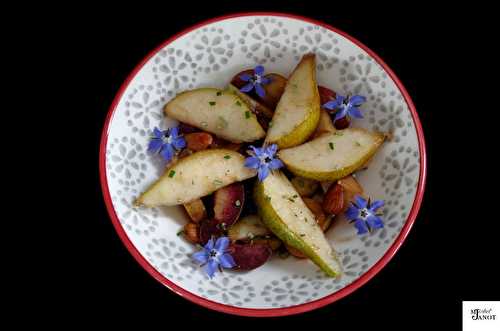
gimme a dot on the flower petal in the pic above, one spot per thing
(167, 152)
(157, 133)
(357, 100)
(221, 244)
(260, 90)
(275, 164)
(201, 257)
(355, 112)
(256, 151)
(360, 202)
(340, 114)
(210, 244)
(375, 222)
(227, 261)
(245, 77)
(174, 132)
(259, 70)
(271, 150)
(265, 80)
(155, 145)
(376, 205)
(262, 173)
(361, 226)
(352, 213)
(247, 88)
(331, 105)
(211, 267)
(179, 143)
(252, 162)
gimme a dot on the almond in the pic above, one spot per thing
(333, 202)
(198, 141)
(351, 189)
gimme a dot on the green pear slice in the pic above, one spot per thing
(220, 112)
(332, 156)
(195, 176)
(286, 215)
(297, 113)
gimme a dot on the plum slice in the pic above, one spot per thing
(250, 255)
(228, 203)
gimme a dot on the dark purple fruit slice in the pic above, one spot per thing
(250, 256)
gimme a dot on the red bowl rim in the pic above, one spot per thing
(268, 312)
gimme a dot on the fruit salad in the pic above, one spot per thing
(264, 167)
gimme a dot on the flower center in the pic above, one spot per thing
(167, 139)
(265, 159)
(213, 253)
(257, 79)
(364, 213)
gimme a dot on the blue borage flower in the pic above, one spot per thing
(255, 81)
(263, 159)
(364, 214)
(214, 255)
(345, 106)
(166, 143)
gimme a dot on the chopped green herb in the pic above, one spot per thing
(295, 196)
(171, 173)
(302, 234)
(270, 124)
(338, 133)
(192, 181)
(268, 198)
(358, 144)
(211, 103)
(180, 232)
(237, 203)
(227, 157)
(238, 103)
(332, 146)
(204, 124)
(219, 93)
(218, 182)
(290, 199)
(247, 114)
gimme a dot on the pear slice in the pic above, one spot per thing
(332, 156)
(195, 176)
(297, 113)
(220, 112)
(284, 212)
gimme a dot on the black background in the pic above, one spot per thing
(447, 256)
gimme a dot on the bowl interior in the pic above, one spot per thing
(210, 55)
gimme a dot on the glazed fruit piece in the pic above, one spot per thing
(196, 210)
(216, 111)
(195, 176)
(286, 215)
(332, 156)
(228, 203)
(247, 228)
(274, 90)
(317, 210)
(304, 186)
(210, 228)
(297, 113)
(250, 256)
(255, 106)
(325, 124)
(191, 232)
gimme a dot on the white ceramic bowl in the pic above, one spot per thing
(209, 54)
